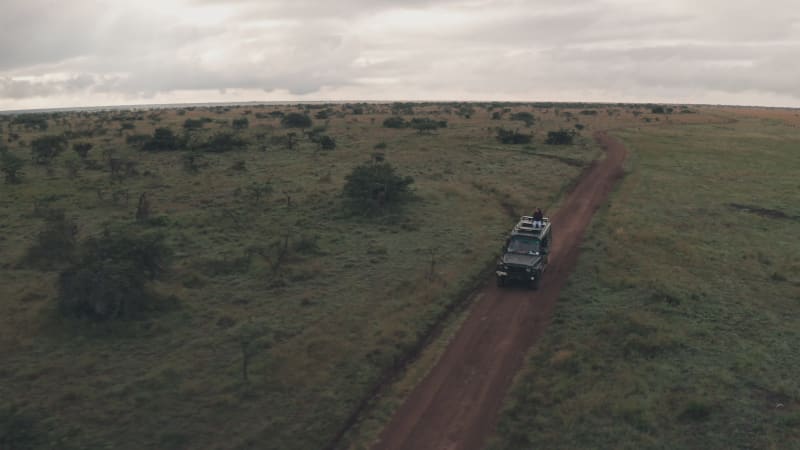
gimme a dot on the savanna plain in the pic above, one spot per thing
(270, 276)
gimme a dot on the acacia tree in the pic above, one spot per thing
(45, 148)
(296, 120)
(11, 166)
(370, 188)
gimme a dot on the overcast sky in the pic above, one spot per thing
(103, 52)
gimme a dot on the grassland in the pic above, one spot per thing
(353, 298)
(680, 326)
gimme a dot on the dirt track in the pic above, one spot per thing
(456, 405)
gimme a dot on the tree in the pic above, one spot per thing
(512, 137)
(82, 149)
(193, 124)
(523, 116)
(45, 148)
(327, 143)
(55, 243)
(371, 187)
(560, 137)
(163, 139)
(240, 123)
(394, 122)
(11, 166)
(109, 279)
(426, 125)
(223, 142)
(296, 120)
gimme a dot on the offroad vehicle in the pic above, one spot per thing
(524, 255)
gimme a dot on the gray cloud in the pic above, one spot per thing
(96, 51)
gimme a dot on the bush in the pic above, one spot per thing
(371, 187)
(55, 244)
(193, 124)
(423, 125)
(560, 137)
(327, 143)
(163, 139)
(223, 142)
(11, 166)
(240, 123)
(512, 137)
(82, 149)
(110, 278)
(296, 120)
(394, 122)
(523, 116)
(45, 148)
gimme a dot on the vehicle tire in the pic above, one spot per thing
(501, 281)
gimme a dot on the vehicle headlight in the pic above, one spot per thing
(529, 269)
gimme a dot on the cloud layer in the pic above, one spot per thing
(98, 52)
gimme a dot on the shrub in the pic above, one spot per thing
(327, 143)
(512, 137)
(82, 149)
(371, 187)
(560, 137)
(423, 125)
(523, 116)
(31, 121)
(55, 244)
(240, 123)
(193, 124)
(109, 279)
(223, 142)
(163, 139)
(394, 122)
(296, 120)
(11, 166)
(45, 148)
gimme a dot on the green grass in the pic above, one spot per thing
(680, 326)
(329, 322)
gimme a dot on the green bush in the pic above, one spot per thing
(296, 120)
(109, 280)
(512, 137)
(163, 139)
(523, 116)
(55, 244)
(394, 122)
(327, 143)
(370, 188)
(240, 123)
(45, 148)
(223, 142)
(560, 137)
(11, 166)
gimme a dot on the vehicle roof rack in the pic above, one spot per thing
(526, 226)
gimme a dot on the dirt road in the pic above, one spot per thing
(456, 405)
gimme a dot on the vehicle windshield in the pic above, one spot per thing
(524, 245)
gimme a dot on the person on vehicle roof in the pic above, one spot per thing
(538, 216)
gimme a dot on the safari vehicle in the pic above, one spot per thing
(524, 255)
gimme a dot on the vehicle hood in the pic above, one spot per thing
(517, 259)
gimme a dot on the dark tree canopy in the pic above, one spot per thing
(296, 120)
(560, 137)
(109, 279)
(163, 139)
(372, 187)
(45, 148)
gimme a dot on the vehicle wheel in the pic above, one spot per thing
(501, 281)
